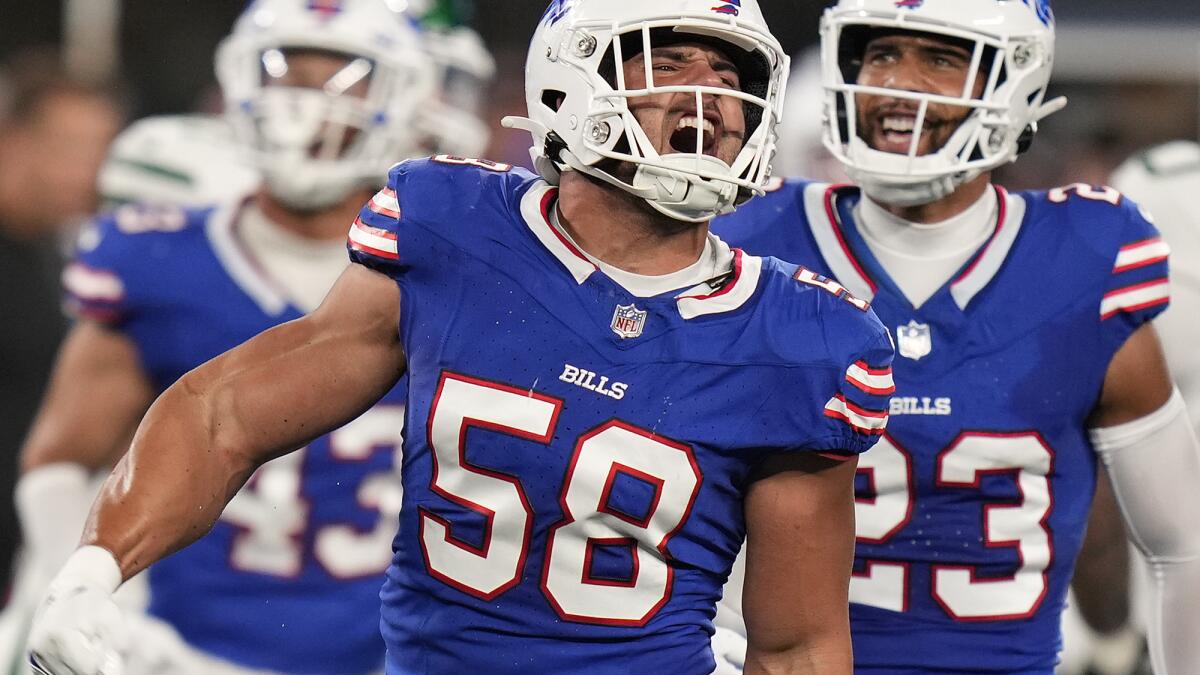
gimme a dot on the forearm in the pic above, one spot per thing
(1174, 616)
(829, 655)
(799, 552)
(1154, 465)
(171, 486)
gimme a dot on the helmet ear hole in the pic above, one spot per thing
(553, 98)
(1025, 140)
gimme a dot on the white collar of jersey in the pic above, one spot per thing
(240, 266)
(699, 299)
(244, 240)
(826, 226)
(955, 237)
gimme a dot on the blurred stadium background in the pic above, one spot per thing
(1130, 69)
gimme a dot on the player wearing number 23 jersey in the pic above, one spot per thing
(573, 485)
(972, 508)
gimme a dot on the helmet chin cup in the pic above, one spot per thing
(679, 193)
(909, 193)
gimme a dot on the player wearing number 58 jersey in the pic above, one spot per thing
(604, 399)
(1024, 350)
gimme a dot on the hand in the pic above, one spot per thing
(78, 629)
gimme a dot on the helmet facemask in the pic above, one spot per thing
(999, 102)
(324, 102)
(311, 138)
(594, 121)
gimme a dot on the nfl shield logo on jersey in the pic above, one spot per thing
(915, 341)
(628, 321)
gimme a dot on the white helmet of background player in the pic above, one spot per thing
(1012, 44)
(452, 122)
(581, 120)
(183, 160)
(314, 146)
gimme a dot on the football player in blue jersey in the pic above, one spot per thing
(1025, 350)
(603, 398)
(322, 99)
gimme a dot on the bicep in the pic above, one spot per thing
(306, 377)
(799, 552)
(96, 395)
(1137, 382)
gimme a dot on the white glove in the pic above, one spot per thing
(78, 629)
(729, 649)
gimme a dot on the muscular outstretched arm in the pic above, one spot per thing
(1143, 435)
(204, 436)
(799, 552)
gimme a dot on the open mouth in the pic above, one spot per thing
(895, 132)
(684, 138)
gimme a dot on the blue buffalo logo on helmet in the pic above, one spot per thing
(1042, 9)
(730, 7)
(557, 10)
(909, 4)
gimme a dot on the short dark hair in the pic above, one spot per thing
(33, 77)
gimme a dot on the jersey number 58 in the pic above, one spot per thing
(589, 521)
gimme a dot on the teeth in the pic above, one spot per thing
(692, 122)
(898, 123)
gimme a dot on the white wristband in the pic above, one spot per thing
(53, 503)
(89, 567)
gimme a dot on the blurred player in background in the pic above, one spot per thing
(321, 98)
(1025, 348)
(53, 132)
(1164, 181)
(602, 396)
(197, 160)
(452, 123)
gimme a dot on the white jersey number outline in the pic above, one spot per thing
(272, 514)
(1023, 455)
(601, 456)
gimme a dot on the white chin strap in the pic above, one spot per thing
(684, 196)
(676, 194)
(908, 193)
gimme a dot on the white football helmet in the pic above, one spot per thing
(1013, 48)
(580, 119)
(183, 160)
(315, 145)
(452, 123)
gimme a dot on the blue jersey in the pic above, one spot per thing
(972, 508)
(289, 578)
(575, 456)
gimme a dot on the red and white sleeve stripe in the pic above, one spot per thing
(873, 381)
(92, 285)
(864, 421)
(1140, 254)
(1135, 297)
(385, 203)
(373, 240)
